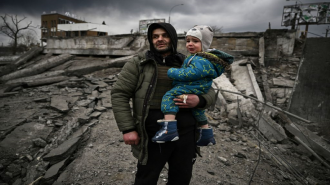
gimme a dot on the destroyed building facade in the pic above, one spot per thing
(57, 25)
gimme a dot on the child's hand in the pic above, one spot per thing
(191, 101)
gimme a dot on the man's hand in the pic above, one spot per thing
(131, 138)
(191, 102)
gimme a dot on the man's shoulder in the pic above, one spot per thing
(181, 56)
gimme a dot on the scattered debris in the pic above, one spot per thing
(57, 125)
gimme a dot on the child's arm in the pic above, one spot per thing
(198, 68)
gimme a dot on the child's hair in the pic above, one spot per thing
(203, 33)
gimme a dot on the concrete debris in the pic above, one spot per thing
(271, 130)
(39, 142)
(281, 82)
(62, 151)
(20, 61)
(53, 172)
(55, 108)
(38, 68)
(242, 78)
(59, 103)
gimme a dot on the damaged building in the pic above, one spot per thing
(270, 119)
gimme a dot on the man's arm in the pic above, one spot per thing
(121, 93)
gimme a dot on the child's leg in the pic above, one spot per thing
(168, 130)
(169, 117)
(206, 137)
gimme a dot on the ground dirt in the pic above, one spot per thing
(107, 160)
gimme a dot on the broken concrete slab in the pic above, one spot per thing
(255, 85)
(314, 87)
(28, 55)
(45, 81)
(53, 172)
(106, 45)
(59, 103)
(84, 103)
(80, 132)
(38, 68)
(62, 151)
(106, 102)
(270, 129)
(7, 124)
(242, 78)
(36, 77)
(310, 139)
(281, 92)
(95, 114)
(91, 67)
(283, 82)
(100, 84)
(20, 60)
(105, 94)
(100, 108)
(21, 138)
(81, 114)
(224, 83)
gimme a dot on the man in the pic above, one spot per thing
(145, 81)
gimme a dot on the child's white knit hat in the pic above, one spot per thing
(203, 33)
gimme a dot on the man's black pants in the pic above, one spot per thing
(180, 156)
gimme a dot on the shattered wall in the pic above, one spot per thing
(120, 45)
(245, 43)
(278, 43)
(310, 98)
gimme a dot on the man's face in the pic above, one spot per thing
(161, 41)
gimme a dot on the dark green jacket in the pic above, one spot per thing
(137, 81)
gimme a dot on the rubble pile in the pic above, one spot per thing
(57, 126)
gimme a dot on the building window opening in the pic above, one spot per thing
(83, 33)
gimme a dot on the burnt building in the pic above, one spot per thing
(67, 25)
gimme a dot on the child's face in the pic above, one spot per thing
(193, 44)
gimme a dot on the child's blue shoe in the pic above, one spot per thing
(168, 132)
(206, 137)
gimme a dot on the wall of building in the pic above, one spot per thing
(121, 45)
(311, 94)
(279, 42)
(50, 21)
(245, 43)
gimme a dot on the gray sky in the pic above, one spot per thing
(124, 15)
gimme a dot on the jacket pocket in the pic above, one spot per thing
(140, 81)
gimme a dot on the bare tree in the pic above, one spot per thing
(10, 27)
(28, 39)
(216, 29)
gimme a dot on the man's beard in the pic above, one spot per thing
(165, 50)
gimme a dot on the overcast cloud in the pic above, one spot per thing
(124, 15)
